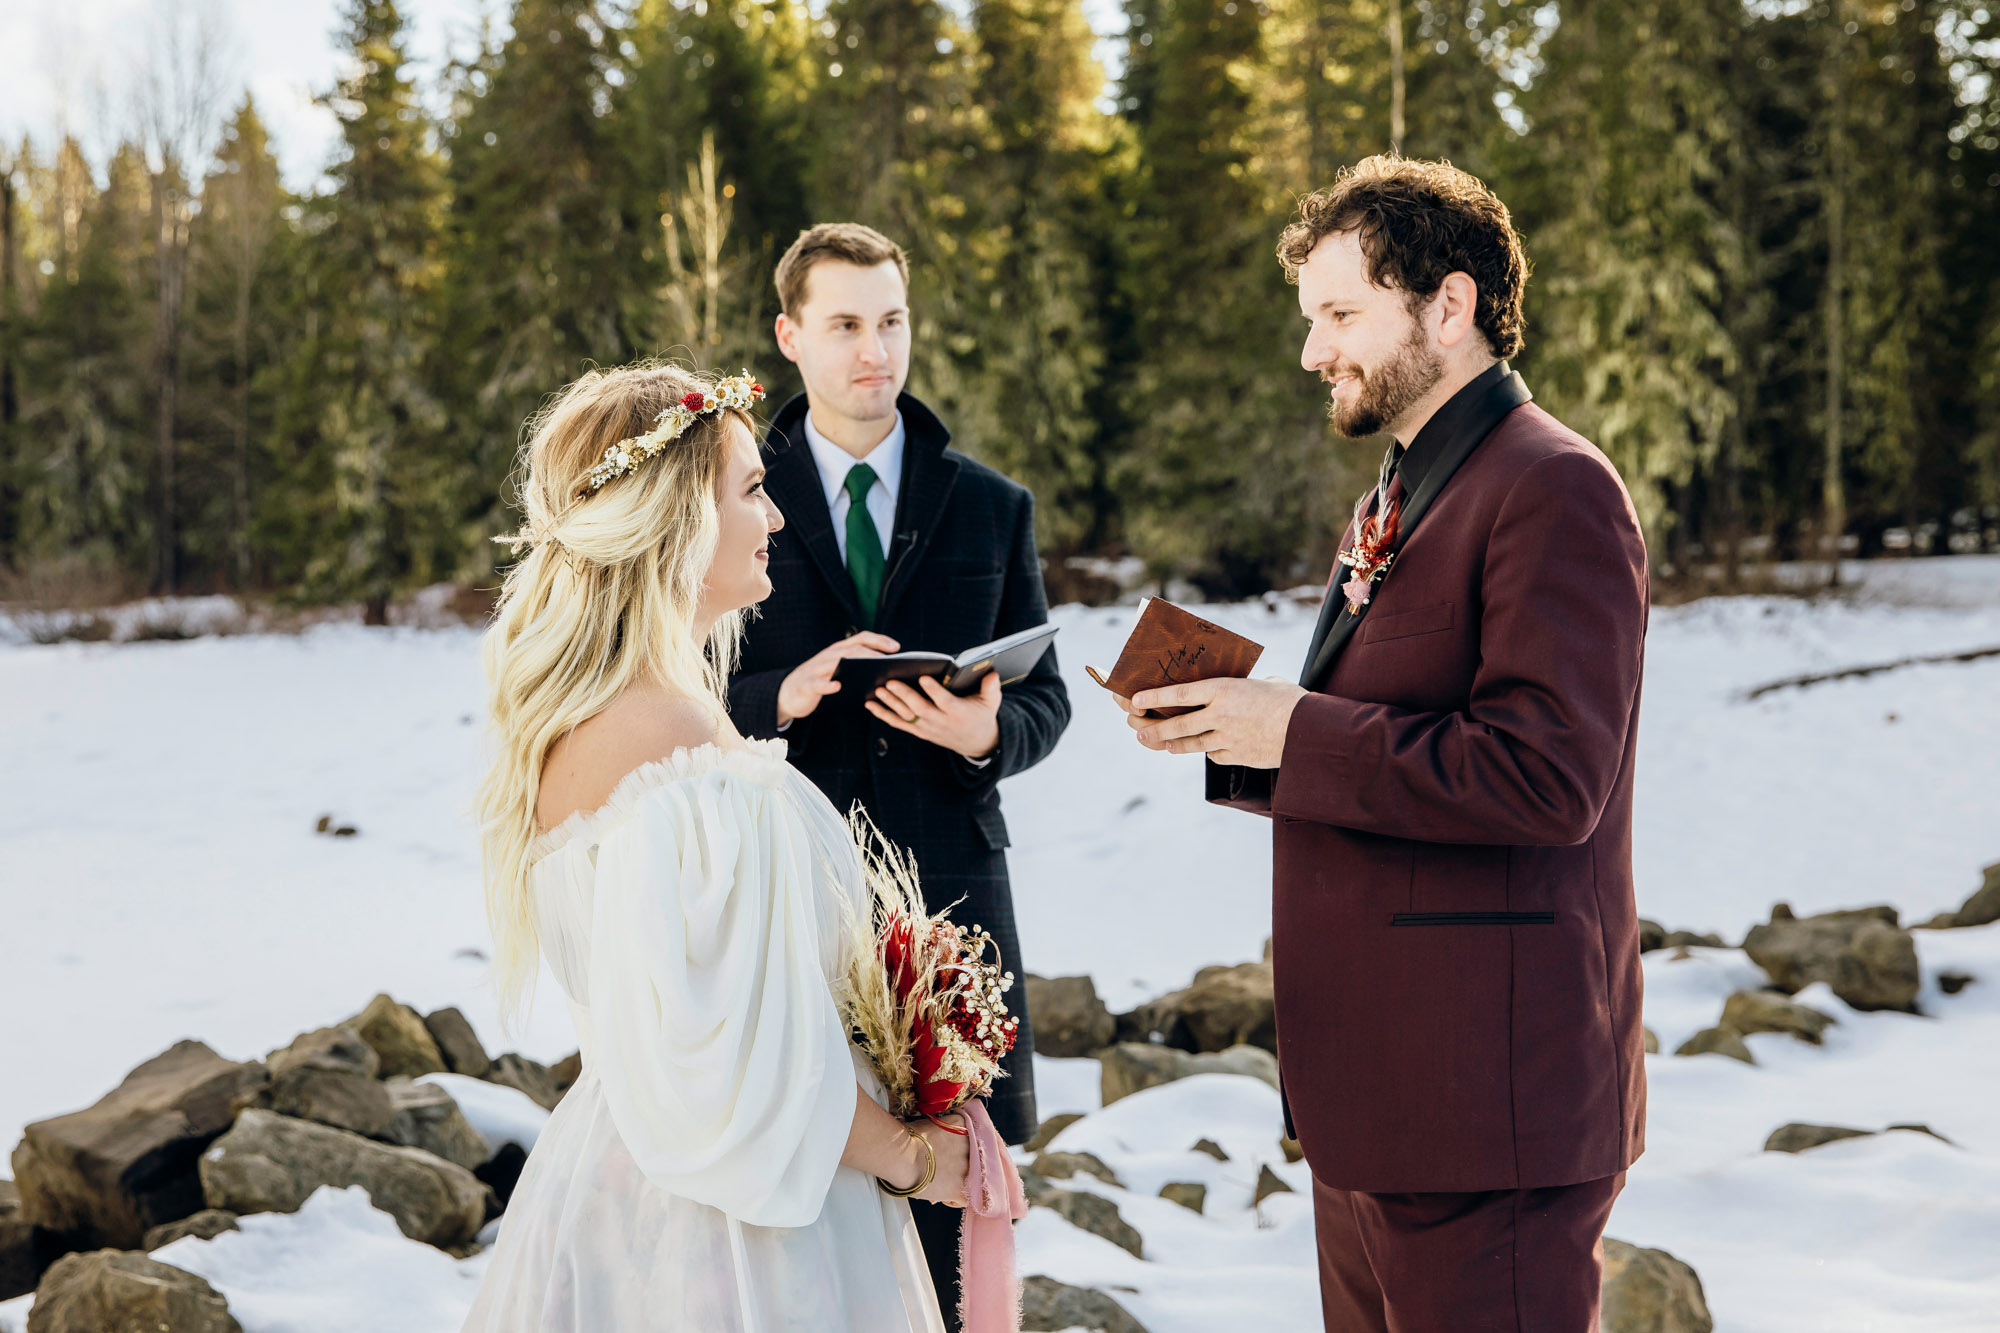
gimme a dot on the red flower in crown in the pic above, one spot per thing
(694, 402)
(757, 389)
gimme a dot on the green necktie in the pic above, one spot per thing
(864, 544)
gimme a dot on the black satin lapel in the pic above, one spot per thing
(1494, 405)
(928, 477)
(1329, 611)
(792, 478)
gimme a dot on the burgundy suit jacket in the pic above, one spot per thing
(1455, 939)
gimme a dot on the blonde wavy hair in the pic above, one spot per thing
(607, 594)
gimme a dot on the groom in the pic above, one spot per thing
(892, 540)
(1450, 791)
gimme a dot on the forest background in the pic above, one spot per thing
(1766, 277)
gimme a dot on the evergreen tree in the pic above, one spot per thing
(543, 251)
(366, 477)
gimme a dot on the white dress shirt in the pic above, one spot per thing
(835, 463)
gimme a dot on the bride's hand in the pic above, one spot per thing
(954, 1157)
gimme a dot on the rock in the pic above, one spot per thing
(103, 1176)
(112, 1291)
(1652, 935)
(1186, 1193)
(23, 1253)
(1048, 1129)
(1717, 1041)
(1938, 921)
(1982, 907)
(1749, 1011)
(1951, 983)
(1067, 1016)
(1063, 1165)
(1211, 1147)
(1294, 1150)
(271, 1164)
(399, 1037)
(338, 1050)
(524, 1075)
(424, 1116)
(1868, 960)
(566, 1071)
(1132, 1066)
(1048, 1306)
(1085, 1211)
(1231, 1006)
(1269, 1184)
(1651, 1040)
(1684, 939)
(457, 1043)
(1650, 1291)
(1798, 1138)
(206, 1224)
(344, 1099)
(1919, 1129)
(502, 1171)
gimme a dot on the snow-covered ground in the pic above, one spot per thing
(160, 878)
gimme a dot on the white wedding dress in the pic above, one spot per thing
(691, 1178)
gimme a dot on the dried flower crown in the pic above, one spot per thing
(736, 393)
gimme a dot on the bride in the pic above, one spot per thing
(723, 1163)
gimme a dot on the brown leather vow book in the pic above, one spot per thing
(1173, 646)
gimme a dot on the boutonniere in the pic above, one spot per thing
(1370, 556)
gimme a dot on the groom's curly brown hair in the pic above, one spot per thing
(1418, 222)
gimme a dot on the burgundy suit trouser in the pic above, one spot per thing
(1502, 1261)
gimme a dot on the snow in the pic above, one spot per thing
(162, 880)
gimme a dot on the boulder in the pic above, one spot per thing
(1798, 1137)
(398, 1034)
(1983, 907)
(527, 1076)
(341, 1098)
(1294, 1151)
(1652, 936)
(1063, 1165)
(338, 1050)
(424, 1116)
(1650, 1291)
(1231, 1006)
(457, 1043)
(23, 1253)
(502, 1171)
(1684, 939)
(566, 1071)
(1211, 1148)
(1717, 1041)
(104, 1175)
(1048, 1306)
(1749, 1011)
(1864, 955)
(1085, 1211)
(204, 1225)
(1951, 983)
(1051, 1127)
(271, 1164)
(1268, 1184)
(1133, 1066)
(1188, 1194)
(1067, 1016)
(113, 1291)
(1650, 1040)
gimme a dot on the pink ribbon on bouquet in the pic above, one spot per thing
(989, 1298)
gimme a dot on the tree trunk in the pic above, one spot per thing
(10, 498)
(1833, 496)
(1396, 76)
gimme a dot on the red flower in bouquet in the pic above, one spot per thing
(925, 1003)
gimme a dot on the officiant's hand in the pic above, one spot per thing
(971, 725)
(1234, 722)
(812, 679)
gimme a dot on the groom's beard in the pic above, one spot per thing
(1384, 394)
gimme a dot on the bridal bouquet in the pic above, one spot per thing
(924, 999)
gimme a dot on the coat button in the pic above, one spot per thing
(881, 746)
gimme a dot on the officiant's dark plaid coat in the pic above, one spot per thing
(961, 570)
(1455, 940)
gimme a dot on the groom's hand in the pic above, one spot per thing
(1234, 722)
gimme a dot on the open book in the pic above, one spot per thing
(1013, 657)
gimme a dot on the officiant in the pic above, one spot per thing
(895, 541)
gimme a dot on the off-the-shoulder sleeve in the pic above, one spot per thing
(723, 1057)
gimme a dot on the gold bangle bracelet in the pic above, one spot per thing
(930, 1170)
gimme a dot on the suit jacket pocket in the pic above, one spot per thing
(1404, 624)
(1473, 919)
(992, 826)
